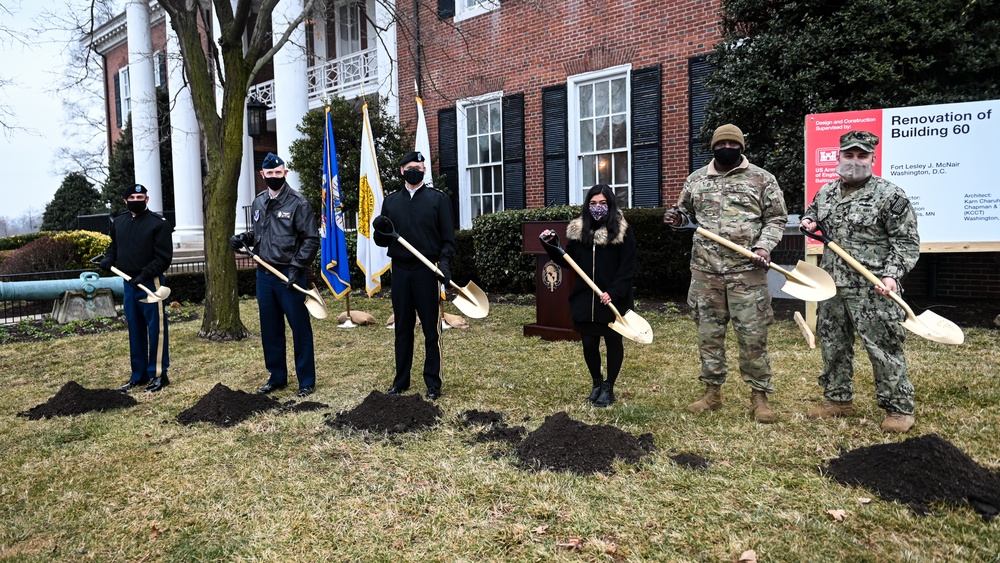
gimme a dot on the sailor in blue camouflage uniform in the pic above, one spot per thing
(743, 203)
(872, 219)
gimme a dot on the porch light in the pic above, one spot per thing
(256, 118)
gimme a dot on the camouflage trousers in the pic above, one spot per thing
(876, 320)
(715, 299)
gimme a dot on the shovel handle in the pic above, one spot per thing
(589, 281)
(406, 244)
(733, 246)
(866, 273)
(127, 277)
(277, 273)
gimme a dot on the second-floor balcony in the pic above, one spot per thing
(345, 77)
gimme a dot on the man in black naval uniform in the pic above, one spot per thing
(141, 248)
(421, 215)
(285, 236)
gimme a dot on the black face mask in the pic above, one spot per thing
(274, 184)
(136, 207)
(413, 176)
(727, 157)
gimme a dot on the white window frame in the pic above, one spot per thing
(464, 175)
(573, 84)
(463, 12)
(124, 94)
(343, 45)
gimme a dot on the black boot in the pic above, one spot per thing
(596, 391)
(607, 395)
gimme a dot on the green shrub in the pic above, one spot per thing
(463, 265)
(14, 242)
(86, 245)
(190, 286)
(663, 254)
(45, 254)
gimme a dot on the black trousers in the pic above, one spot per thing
(415, 294)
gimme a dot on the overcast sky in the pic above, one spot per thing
(31, 174)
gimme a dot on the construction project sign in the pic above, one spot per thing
(943, 156)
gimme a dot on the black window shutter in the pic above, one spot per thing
(513, 152)
(448, 155)
(698, 98)
(554, 145)
(647, 164)
(118, 100)
(446, 9)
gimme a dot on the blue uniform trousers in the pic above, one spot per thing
(415, 293)
(147, 334)
(277, 303)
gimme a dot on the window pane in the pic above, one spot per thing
(587, 101)
(495, 120)
(603, 142)
(470, 121)
(497, 203)
(604, 169)
(589, 177)
(487, 180)
(476, 207)
(474, 187)
(496, 150)
(621, 194)
(621, 167)
(484, 149)
(601, 105)
(587, 135)
(498, 179)
(618, 131)
(484, 119)
(473, 154)
(618, 95)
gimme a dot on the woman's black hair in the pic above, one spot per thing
(610, 221)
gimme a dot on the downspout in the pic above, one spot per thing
(416, 38)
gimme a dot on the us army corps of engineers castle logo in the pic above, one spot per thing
(551, 275)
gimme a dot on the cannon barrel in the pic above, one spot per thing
(88, 282)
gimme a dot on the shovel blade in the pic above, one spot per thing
(933, 326)
(809, 283)
(314, 302)
(163, 292)
(471, 301)
(633, 327)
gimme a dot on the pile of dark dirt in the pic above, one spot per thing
(392, 414)
(691, 461)
(920, 471)
(224, 407)
(497, 430)
(564, 444)
(73, 398)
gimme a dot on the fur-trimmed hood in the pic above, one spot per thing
(574, 231)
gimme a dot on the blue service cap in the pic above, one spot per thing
(272, 161)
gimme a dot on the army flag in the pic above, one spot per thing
(373, 260)
(423, 143)
(333, 243)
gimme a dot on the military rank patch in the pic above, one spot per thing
(899, 204)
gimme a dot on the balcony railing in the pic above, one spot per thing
(332, 78)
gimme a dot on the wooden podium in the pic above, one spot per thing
(552, 285)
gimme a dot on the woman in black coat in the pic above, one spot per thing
(602, 243)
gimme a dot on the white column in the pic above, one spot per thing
(145, 132)
(185, 150)
(247, 186)
(388, 77)
(290, 93)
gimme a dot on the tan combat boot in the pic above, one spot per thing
(710, 401)
(898, 422)
(830, 409)
(761, 410)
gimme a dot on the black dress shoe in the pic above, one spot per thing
(433, 394)
(594, 394)
(270, 387)
(129, 385)
(157, 384)
(396, 390)
(305, 391)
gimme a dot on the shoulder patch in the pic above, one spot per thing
(899, 204)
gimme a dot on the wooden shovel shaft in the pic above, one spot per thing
(278, 273)
(869, 276)
(749, 254)
(127, 277)
(406, 244)
(583, 275)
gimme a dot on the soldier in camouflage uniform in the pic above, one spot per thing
(872, 219)
(744, 204)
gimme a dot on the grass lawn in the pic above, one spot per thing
(134, 485)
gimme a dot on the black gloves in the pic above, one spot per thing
(383, 225)
(237, 241)
(445, 266)
(139, 279)
(107, 263)
(293, 276)
(552, 239)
